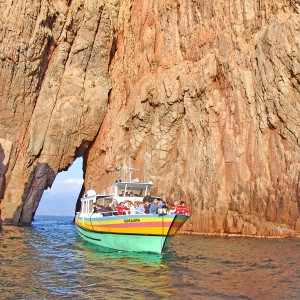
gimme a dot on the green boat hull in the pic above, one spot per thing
(126, 242)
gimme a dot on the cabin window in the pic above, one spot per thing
(90, 206)
(100, 201)
(83, 205)
(136, 193)
(87, 206)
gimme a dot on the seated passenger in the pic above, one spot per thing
(126, 208)
(139, 208)
(122, 194)
(182, 209)
(131, 209)
(95, 208)
(174, 207)
(161, 204)
(131, 194)
(135, 205)
(146, 207)
(109, 211)
(121, 209)
(153, 207)
(114, 205)
(103, 210)
(167, 205)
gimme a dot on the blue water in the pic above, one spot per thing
(48, 260)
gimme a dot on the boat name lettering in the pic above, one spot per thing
(132, 220)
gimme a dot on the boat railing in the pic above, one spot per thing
(115, 213)
(128, 213)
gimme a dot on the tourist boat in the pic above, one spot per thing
(131, 232)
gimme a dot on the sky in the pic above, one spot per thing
(61, 199)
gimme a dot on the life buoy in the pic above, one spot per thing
(127, 201)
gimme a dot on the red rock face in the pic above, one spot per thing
(202, 96)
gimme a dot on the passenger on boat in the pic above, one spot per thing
(103, 210)
(147, 198)
(121, 209)
(167, 205)
(114, 207)
(161, 204)
(174, 207)
(139, 208)
(136, 206)
(146, 207)
(153, 207)
(182, 209)
(108, 211)
(131, 194)
(122, 194)
(127, 206)
(95, 208)
(131, 209)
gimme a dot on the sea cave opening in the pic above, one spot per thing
(60, 199)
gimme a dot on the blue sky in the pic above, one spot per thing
(60, 200)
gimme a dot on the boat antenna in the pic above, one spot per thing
(144, 168)
(124, 163)
(129, 168)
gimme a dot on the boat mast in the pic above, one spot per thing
(144, 168)
(124, 163)
(129, 168)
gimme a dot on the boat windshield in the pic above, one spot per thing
(89, 202)
(133, 189)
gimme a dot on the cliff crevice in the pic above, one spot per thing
(203, 97)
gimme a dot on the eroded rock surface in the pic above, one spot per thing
(203, 96)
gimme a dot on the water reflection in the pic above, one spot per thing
(49, 260)
(17, 261)
(239, 268)
(131, 275)
(103, 254)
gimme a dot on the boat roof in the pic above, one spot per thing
(133, 184)
(98, 196)
(121, 185)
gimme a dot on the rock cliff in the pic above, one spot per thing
(202, 96)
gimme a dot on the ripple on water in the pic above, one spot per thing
(48, 260)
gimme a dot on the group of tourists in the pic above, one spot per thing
(150, 205)
(104, 210)
(155, 204)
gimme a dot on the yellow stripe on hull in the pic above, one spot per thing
(142, 230)
(135, 224)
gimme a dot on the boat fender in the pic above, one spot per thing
(162, 211)
(127, 201)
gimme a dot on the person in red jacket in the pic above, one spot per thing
(121, 209)
(182, 209)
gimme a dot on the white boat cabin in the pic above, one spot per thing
(121, 191)
(133, 191)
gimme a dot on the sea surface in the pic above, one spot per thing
(48, 260)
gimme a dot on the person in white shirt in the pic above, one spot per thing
(131, 209)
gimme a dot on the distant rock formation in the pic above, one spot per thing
(203, 96)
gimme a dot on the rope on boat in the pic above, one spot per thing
(91, 221)
(162, 234)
